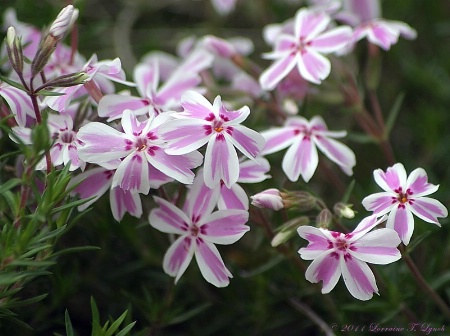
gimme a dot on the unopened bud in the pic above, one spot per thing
(219, 46)
(14, 49)
(269, 198)
(344, 210)
(324, 218)
(287, 230)
(299, 200)
(290, 106)
(67, 80)
(63, 22)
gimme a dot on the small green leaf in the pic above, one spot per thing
(393, 113)
(125, 330)
(348, 192)
(440, 281)
(96, 329)
(416, 241)
(361, 138)
(70, 205)
(189, 314)
(48, 93)
(76, 249)
(69, 327)
(116, 324)
(9, 185)
(12, 83)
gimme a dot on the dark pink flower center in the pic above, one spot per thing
(402, 197)
(341, 245)
(141, 144)
(67, 136)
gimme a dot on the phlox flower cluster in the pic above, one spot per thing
(171, 128)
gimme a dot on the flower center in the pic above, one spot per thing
(341, 244)
(194, 230)
(402, 197)
(67, 136)
(141, 144)
(218, 126)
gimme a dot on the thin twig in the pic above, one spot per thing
(304, 309)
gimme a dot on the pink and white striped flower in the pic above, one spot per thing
(101, 72)
(365, 16)
(19, 103)
(66, 143)
(304, 48)
(95, 182)
(139, 147)
(334, 253)
(201, 123)
(402, 197)
(199, 229)
(155, 97)
(302, 137)
(250, 171)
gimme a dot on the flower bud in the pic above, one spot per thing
(299, 200)
(67, 80)
(290, 107)
(344, 210)
(219, 46)
(269, 198)
(287, 230)
(324, 218)
(14, 48)
(63, 22)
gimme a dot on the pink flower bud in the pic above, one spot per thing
(219, 46)
(269, 198)
(63, 22)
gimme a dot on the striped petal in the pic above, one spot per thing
(380, 203)
(168, 218)
(301, 159)
(277, 71)
(401, 220)
(178, 257)
(358, 278)
(278, 139)
(337, 152)
(324, 268)
(377, 247)
(195, 105)
(417, 183)
(184, 135)
(248, 141)
(225, 226)
(176, 166)
(233, 198)
(132, 174)
(123, 201)
(221, 162)
(101, 143)
(393, 178)
(313, 67)
(428, 209)
(318, 243)
(211, 264)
